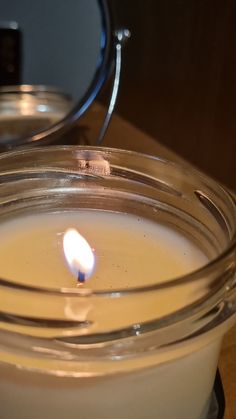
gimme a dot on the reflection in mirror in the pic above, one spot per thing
(49, 54)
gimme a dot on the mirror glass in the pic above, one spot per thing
(55, 47)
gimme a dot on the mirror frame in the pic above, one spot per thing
(107, 51)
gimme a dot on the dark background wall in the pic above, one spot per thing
(179, 78)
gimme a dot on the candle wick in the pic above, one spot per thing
(81, 277)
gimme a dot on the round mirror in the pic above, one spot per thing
(54, 58)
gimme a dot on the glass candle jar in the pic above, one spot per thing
(26, 110)
(141, 337)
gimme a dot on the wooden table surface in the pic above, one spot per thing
(122, 134)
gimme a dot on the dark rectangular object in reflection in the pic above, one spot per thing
(10, 55)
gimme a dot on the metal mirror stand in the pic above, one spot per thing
(121, 36)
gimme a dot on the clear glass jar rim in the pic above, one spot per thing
(191, 277)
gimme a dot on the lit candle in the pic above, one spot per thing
(136, 334)
(131, 252)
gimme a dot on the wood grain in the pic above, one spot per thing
(178, 82)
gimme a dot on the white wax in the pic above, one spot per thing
(130, 252)
(176, 390)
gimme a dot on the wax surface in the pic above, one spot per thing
(178, 390)
(130, 251)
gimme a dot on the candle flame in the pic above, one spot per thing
(78, 254)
